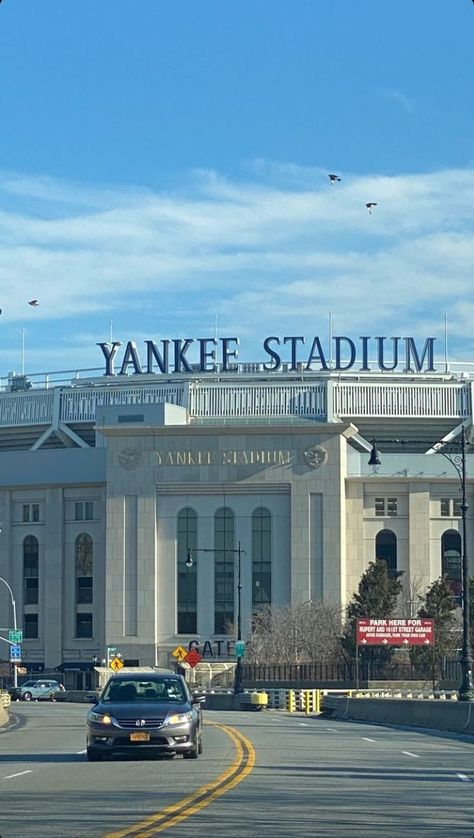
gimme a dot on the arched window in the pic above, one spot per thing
(386, 549)
(83, 556)
(224, 569)
(30, 570)
(451, 564)
(187, 576)
(261, 557)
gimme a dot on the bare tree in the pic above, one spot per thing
(308, 632)
(411, 597)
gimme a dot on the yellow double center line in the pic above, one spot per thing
(170, 816)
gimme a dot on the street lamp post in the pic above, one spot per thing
(458, 461)
(237, 552)
(15, 673)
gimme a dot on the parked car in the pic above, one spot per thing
(145, 713)
(43, 689)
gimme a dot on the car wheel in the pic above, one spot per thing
(93, 755)
(193, 754)
(27, 696)
(52, 697)
(200, 745)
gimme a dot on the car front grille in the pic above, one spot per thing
(150, 722)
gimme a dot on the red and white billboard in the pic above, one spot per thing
(395, 632)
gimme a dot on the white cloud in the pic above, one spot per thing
(272, 253)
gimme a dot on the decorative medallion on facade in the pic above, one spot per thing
(129, 458)
(316, 456)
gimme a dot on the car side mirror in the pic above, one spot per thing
(199, 699)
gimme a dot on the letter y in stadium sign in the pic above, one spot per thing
(394, 632)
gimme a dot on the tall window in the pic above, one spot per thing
(30, 570)
(187, 576)
(84, 624)
(30, 626)
(451, 563)
(261, 557)
(224, 569)
(386, 549)
(83, 554)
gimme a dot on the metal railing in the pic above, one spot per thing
(215, 399)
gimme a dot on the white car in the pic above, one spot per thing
(40, 690)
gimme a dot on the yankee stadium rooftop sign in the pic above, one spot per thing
(298, 354)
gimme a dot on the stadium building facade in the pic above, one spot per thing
(108, 481)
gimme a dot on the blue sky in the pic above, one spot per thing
(163, 173)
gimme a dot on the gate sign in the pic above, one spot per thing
(395, 632)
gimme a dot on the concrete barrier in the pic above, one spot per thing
(454, 716)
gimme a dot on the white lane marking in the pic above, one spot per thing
(81, 752)
(332, 729)
(303, 724)
(409, 754)
(366, 738)
(464, 778)
(10, 776)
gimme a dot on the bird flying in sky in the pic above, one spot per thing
(370, 205)
(33, 303)
(334, 178)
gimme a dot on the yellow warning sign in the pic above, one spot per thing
(116, 664)
(179, 653)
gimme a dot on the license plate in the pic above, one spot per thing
(140, 737)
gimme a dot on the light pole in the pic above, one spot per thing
(458, 461)
(15, 674)
(237, 552)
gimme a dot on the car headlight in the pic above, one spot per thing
(178, 718)
(103, 718)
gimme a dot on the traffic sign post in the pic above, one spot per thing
(392, 631)
(15, 653)
(193, 658)
(179, 653)
(111, 653)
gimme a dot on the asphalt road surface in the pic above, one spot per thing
(270, 774)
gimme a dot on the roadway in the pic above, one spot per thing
(269, 774)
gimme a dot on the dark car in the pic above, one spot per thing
(152, 712)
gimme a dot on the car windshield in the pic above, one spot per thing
(163, 689)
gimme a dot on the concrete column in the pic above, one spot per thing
(420, 564)
(51, 627)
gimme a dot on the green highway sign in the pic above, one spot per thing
(239, 649)
(15, 636)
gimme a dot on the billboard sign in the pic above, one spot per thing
(394, 632)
